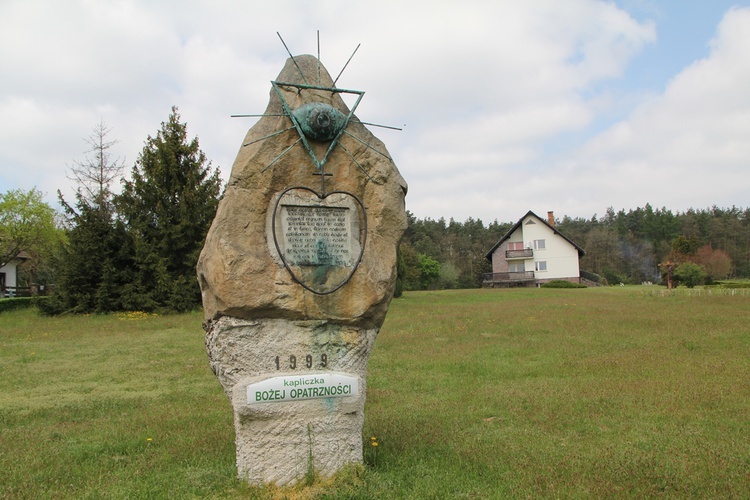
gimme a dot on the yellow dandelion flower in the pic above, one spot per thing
(375, 443)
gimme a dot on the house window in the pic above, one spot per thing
(539, 245)
(540, 265)
(515, 245)
(516, 267)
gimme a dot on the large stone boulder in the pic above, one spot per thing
(296, 275)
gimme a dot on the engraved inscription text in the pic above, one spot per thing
(316, 235)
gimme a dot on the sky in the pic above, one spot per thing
(505, 106)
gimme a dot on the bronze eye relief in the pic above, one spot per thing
(319, 121)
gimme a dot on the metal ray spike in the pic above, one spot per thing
(293, 59)
(279, 157)
(377, 125)
(358, 163)
(254, 116)
(367, 145)
(268, 136)
(318, 57)
(347, 64)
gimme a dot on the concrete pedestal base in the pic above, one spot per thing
(281, 441)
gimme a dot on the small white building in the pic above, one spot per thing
(9, 274)
(533, 252)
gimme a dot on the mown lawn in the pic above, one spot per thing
(616, 392)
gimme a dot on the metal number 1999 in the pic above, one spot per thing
(308, 361)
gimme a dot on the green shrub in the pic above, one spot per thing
(690, 274)
(592, 277)
(732, 284)
(16, 303)
(562, 284)
(615, 279)
(50, 305)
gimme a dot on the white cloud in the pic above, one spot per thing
(496, 96)
(689, 147)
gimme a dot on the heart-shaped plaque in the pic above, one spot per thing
(319, 238)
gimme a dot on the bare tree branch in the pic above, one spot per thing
(96, 172)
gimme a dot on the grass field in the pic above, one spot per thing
(613, 392)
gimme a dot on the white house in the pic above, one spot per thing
(533, 252)
(9, 274)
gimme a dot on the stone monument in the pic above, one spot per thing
(296, 275)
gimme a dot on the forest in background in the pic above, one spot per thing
(621, 247)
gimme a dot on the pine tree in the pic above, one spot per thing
(94, 266)
(168, 206)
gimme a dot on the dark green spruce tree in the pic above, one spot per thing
(168, 206)
(95, 266)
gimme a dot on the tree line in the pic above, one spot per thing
(630, 247)
(137, 250)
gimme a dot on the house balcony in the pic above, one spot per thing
(526, 253)
(507, 279)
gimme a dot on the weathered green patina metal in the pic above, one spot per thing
(301, 115)
(319, 121)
